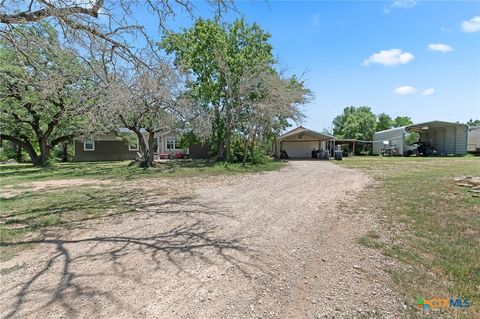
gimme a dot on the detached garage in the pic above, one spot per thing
(444, 137)
(300, 142)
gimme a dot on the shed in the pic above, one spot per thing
(473, 144)
(300, 142)
(445, 137)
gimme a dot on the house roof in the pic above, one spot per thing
(302, 130)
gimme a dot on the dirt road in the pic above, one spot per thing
(268, 245)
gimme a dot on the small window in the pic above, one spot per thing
(89, 144)
(133, 146)
(170, 143)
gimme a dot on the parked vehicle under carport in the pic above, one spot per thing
(434, 138)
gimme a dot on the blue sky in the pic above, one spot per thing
(346, 50)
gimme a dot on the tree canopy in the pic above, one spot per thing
(400, 121)
(473, 122)
(44, 92)
(232, 78)
(384, 122)
(355, 122)
(361, 123)
(108, 30)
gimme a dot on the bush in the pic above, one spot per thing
(8, 151)
(238, 152)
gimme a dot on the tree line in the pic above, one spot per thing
(361, 123)
(216, 81)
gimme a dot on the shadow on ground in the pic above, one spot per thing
(167, 236)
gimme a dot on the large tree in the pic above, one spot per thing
(400, 121)
(355, 122)
(45, 92)
(105, 29)
(228, 67)
(384, 122)
(146, 101)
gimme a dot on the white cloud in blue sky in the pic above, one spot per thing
(405, 90)
(390, 57)
(400, 4)
(430, 91)
(440, 47)
(472, 25)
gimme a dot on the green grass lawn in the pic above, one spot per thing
(431, 225)
(20, 173)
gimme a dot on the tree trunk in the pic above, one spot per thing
(218, 130)
(151, 151)
(228, 141)
(220, 148)
(228, 137)
(18, 153)
(245, 154)
(252, 148)
(65, 152)
(143, 148)
(44, 151)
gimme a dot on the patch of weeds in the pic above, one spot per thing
(5, 271)
(372, 240)
(33, 211)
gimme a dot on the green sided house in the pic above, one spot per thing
(111, 147)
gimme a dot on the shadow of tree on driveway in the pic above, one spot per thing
(192, 239)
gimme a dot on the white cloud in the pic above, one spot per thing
(430, 91)
(472, 25)
(400, 4)
(389, 57)
(440, 47)
(404, 90)
(404, 4)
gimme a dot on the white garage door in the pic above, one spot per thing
(299, 149)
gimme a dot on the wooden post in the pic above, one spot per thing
(353, 148)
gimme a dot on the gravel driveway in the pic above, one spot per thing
(268, 245)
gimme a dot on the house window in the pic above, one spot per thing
(170, 143)
(133, 146)
(89, 144)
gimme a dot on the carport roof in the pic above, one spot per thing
(302, 130)
(426, 125)
(418, 127)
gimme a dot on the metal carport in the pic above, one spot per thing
(445, 137)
